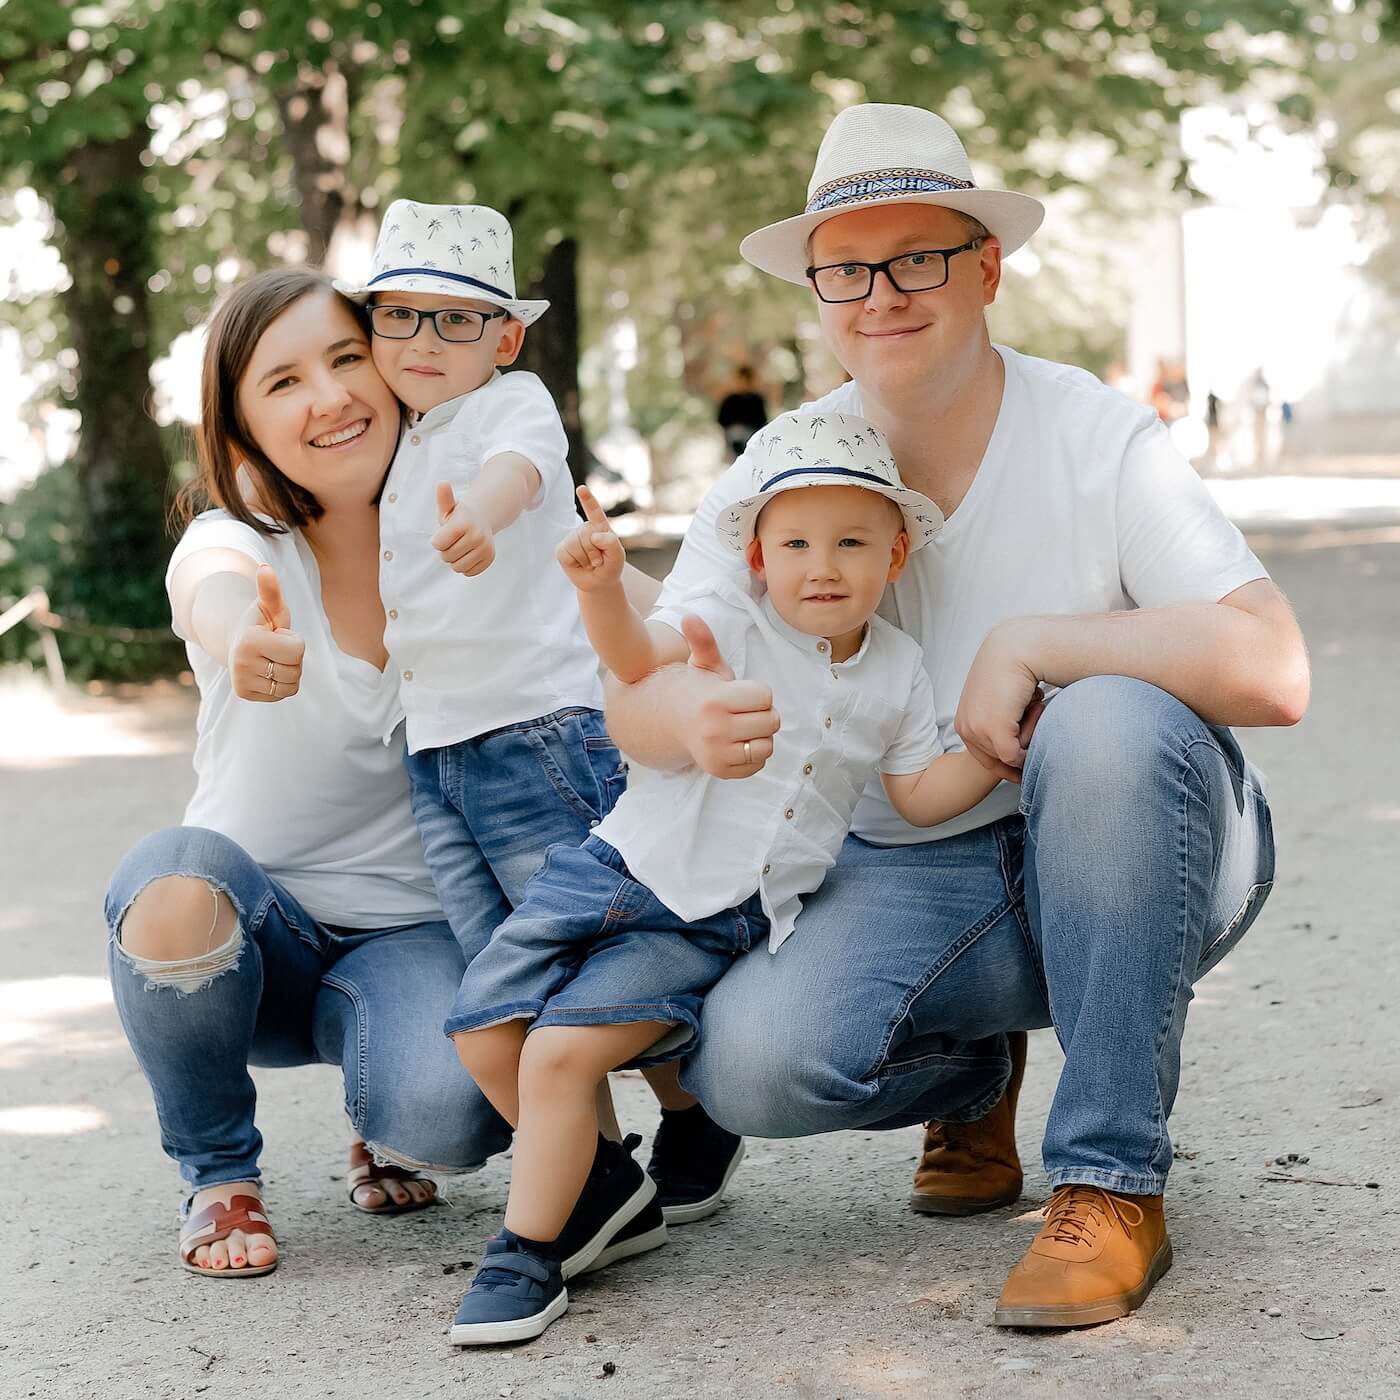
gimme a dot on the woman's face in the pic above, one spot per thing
(314, 403)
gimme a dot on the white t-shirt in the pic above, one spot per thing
(307, 786)
(1081, 505)
(702, 844)
(474, 654)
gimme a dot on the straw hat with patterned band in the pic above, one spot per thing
(454, 250)
(880, 153)
(823, 449)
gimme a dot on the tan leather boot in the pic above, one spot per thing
(1096, 1258)
(968, 1168)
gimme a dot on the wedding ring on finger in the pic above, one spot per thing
(748, 751)
(268, 674)
(271, 686)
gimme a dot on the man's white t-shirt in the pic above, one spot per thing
(506, 645)
(307, 786)
(1081, 505)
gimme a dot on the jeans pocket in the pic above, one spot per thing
(580, 761)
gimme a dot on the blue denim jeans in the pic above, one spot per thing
(288, 990)
(590, 946)
(1142, 853)
(490, 807)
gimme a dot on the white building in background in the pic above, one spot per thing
(1261, 292)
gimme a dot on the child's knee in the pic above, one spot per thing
(558, 1055)
(181, 932)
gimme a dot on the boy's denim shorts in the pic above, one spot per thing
(589, 946)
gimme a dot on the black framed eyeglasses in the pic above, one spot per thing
(922, 271)
(451, 324)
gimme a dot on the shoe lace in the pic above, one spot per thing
(1075, 1213)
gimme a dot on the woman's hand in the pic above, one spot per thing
(266, 655)
(592, 555)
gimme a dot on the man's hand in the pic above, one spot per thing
(1001, 702)
(464, 539)
(730, 729)
(264, 660)
(591, 555)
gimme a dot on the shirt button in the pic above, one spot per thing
(388, 554)
(807, 770)
(821, 646)
(826, 723)
(767, 868)
(393, 614)
(788, 814)
(415, 439)
(408, 675)
(393, 496)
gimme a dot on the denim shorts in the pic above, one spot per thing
(489, 808)
(589, 946)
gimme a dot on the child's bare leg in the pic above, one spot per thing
(557, 1135)
(665, 1081)
(491, 1056)
(607, 1112)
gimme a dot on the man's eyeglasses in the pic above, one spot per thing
(458, 327)
(924, 271)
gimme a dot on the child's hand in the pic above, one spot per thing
(592, 555)
(464, 538)
(264, 660)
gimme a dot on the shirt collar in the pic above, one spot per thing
(443, 413)
(816, 647)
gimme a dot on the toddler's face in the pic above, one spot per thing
(428, 370)
(826, 554)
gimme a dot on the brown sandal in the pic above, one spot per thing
(217, 1222)
(365, 1171)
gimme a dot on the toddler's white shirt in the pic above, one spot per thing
(474, 654)
(702, 844)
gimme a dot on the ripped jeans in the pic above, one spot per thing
(288, 990)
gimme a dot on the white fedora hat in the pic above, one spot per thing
(455, 250)
(882, 153)
(823, 449)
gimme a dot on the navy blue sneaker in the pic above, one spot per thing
(515, 1295)
(646, 1230)
(616, 1193)
(692, 1160)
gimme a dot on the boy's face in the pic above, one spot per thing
(826, 554)
(428, 370)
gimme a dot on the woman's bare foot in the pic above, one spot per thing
(385, 1190)
(241, 1250)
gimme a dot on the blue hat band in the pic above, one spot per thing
(848, 472)
(447, 276)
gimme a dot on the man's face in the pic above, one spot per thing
(428, 370)
(826, 554)
(894, 340)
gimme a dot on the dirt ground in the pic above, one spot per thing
(815, 1280)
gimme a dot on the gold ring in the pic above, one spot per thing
(271, 686)
(267, 675)
(748, 751)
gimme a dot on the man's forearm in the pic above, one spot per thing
(642, 717)
(1230, 665)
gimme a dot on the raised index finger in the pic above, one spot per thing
(592, 511)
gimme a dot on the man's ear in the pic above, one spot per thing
(512, 338)
(753, 553)
(899, 556)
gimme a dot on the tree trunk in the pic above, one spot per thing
(108, 247)
(551, 348)
(316, 128)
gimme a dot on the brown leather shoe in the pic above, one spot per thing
(1096, 1258)
(971, 1167)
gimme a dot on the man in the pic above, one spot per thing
(1129, 847)
(742, 412)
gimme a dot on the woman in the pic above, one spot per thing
(291, 920)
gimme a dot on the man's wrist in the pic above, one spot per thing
(1029, 641)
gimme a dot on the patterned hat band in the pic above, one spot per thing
(877, 184)
(445, 276)
(826, 471)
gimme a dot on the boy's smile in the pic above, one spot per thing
(427, 370)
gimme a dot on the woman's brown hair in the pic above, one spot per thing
(222, 439)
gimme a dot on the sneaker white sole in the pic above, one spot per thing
(698, 1210)
(581, 1260)
(625, 1249)
(520, 1329)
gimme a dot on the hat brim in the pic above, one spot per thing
(922, 519)
(526, 312)
(781, 248)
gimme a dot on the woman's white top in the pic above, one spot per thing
(307, 786)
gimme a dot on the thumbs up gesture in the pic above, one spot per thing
(464, 539)
(731, 727)
(266, 655)
(591, 555)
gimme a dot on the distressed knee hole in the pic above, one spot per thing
(180, 932)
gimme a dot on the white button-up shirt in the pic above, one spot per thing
(473, 654)
(702, 844)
